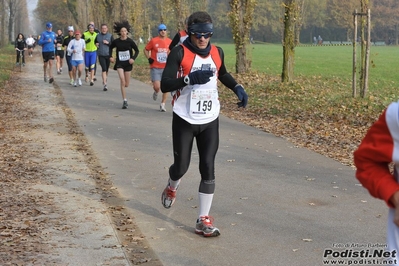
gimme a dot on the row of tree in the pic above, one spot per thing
(13, 19)
(281, 21)
(332, 19)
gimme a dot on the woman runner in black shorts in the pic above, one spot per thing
(124, 56)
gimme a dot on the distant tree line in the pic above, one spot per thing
(332, 19)
(13, 20)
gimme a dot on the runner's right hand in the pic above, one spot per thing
(200, 76)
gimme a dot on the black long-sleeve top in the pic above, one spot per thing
(124, 45)
(175, 41)
(20, 44)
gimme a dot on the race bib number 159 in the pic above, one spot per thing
(202, 103)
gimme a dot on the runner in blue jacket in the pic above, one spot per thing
(47, 41)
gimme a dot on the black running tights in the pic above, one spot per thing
(207, 138)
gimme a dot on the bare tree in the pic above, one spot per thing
(290, 15)
(72, 7)
(12, 8)
(365, 42)
(181, 10)
(241, 15)
(3, 21)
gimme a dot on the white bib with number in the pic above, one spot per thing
(161, 57)
(203, 103)
(124, 55)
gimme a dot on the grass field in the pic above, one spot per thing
(7, 63)
(323, 61)
(317, 110)
(320, 61)
(330, 65)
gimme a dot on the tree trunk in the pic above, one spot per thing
(364, 8)
(241, 15)
(72, 8)
(367, 56)
(354, 64)
(300, 13)
(11, 19)
(3, 37)
(289, 41)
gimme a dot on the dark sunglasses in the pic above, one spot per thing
(163, 30)
(200, 35)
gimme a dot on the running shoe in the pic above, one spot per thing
(105, 87)
(205, 227)
(155, 96)
(91, 83)
(51, 80)
(17, 64)
(79, 82)
(125, 105)
(60, 69)
(58, 72)
(45, 78)
(168, 197)
(75, 84)
(162, 107)
(94, 79)
(71, 82)
(23, 64)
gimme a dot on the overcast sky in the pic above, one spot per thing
(31, 5)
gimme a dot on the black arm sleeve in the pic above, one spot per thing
(169, 82)
(175, 41)
(64, 42)
(135, 49)
(225, 77)
(111, 46)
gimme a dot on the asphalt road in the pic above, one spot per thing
(275, 204)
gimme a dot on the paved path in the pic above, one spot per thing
(275, 204)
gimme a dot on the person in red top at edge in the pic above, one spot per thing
(192, 72)
(378, 149)
(180, 36)
(156, 51)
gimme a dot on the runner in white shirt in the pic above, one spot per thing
(77, 47)
(30, 42)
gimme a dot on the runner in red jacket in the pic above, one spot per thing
(379, 148)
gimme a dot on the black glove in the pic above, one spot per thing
(88, 40)
(200, 76)
(150, 60)
(242, 95)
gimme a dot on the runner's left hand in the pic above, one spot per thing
(242, 95)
